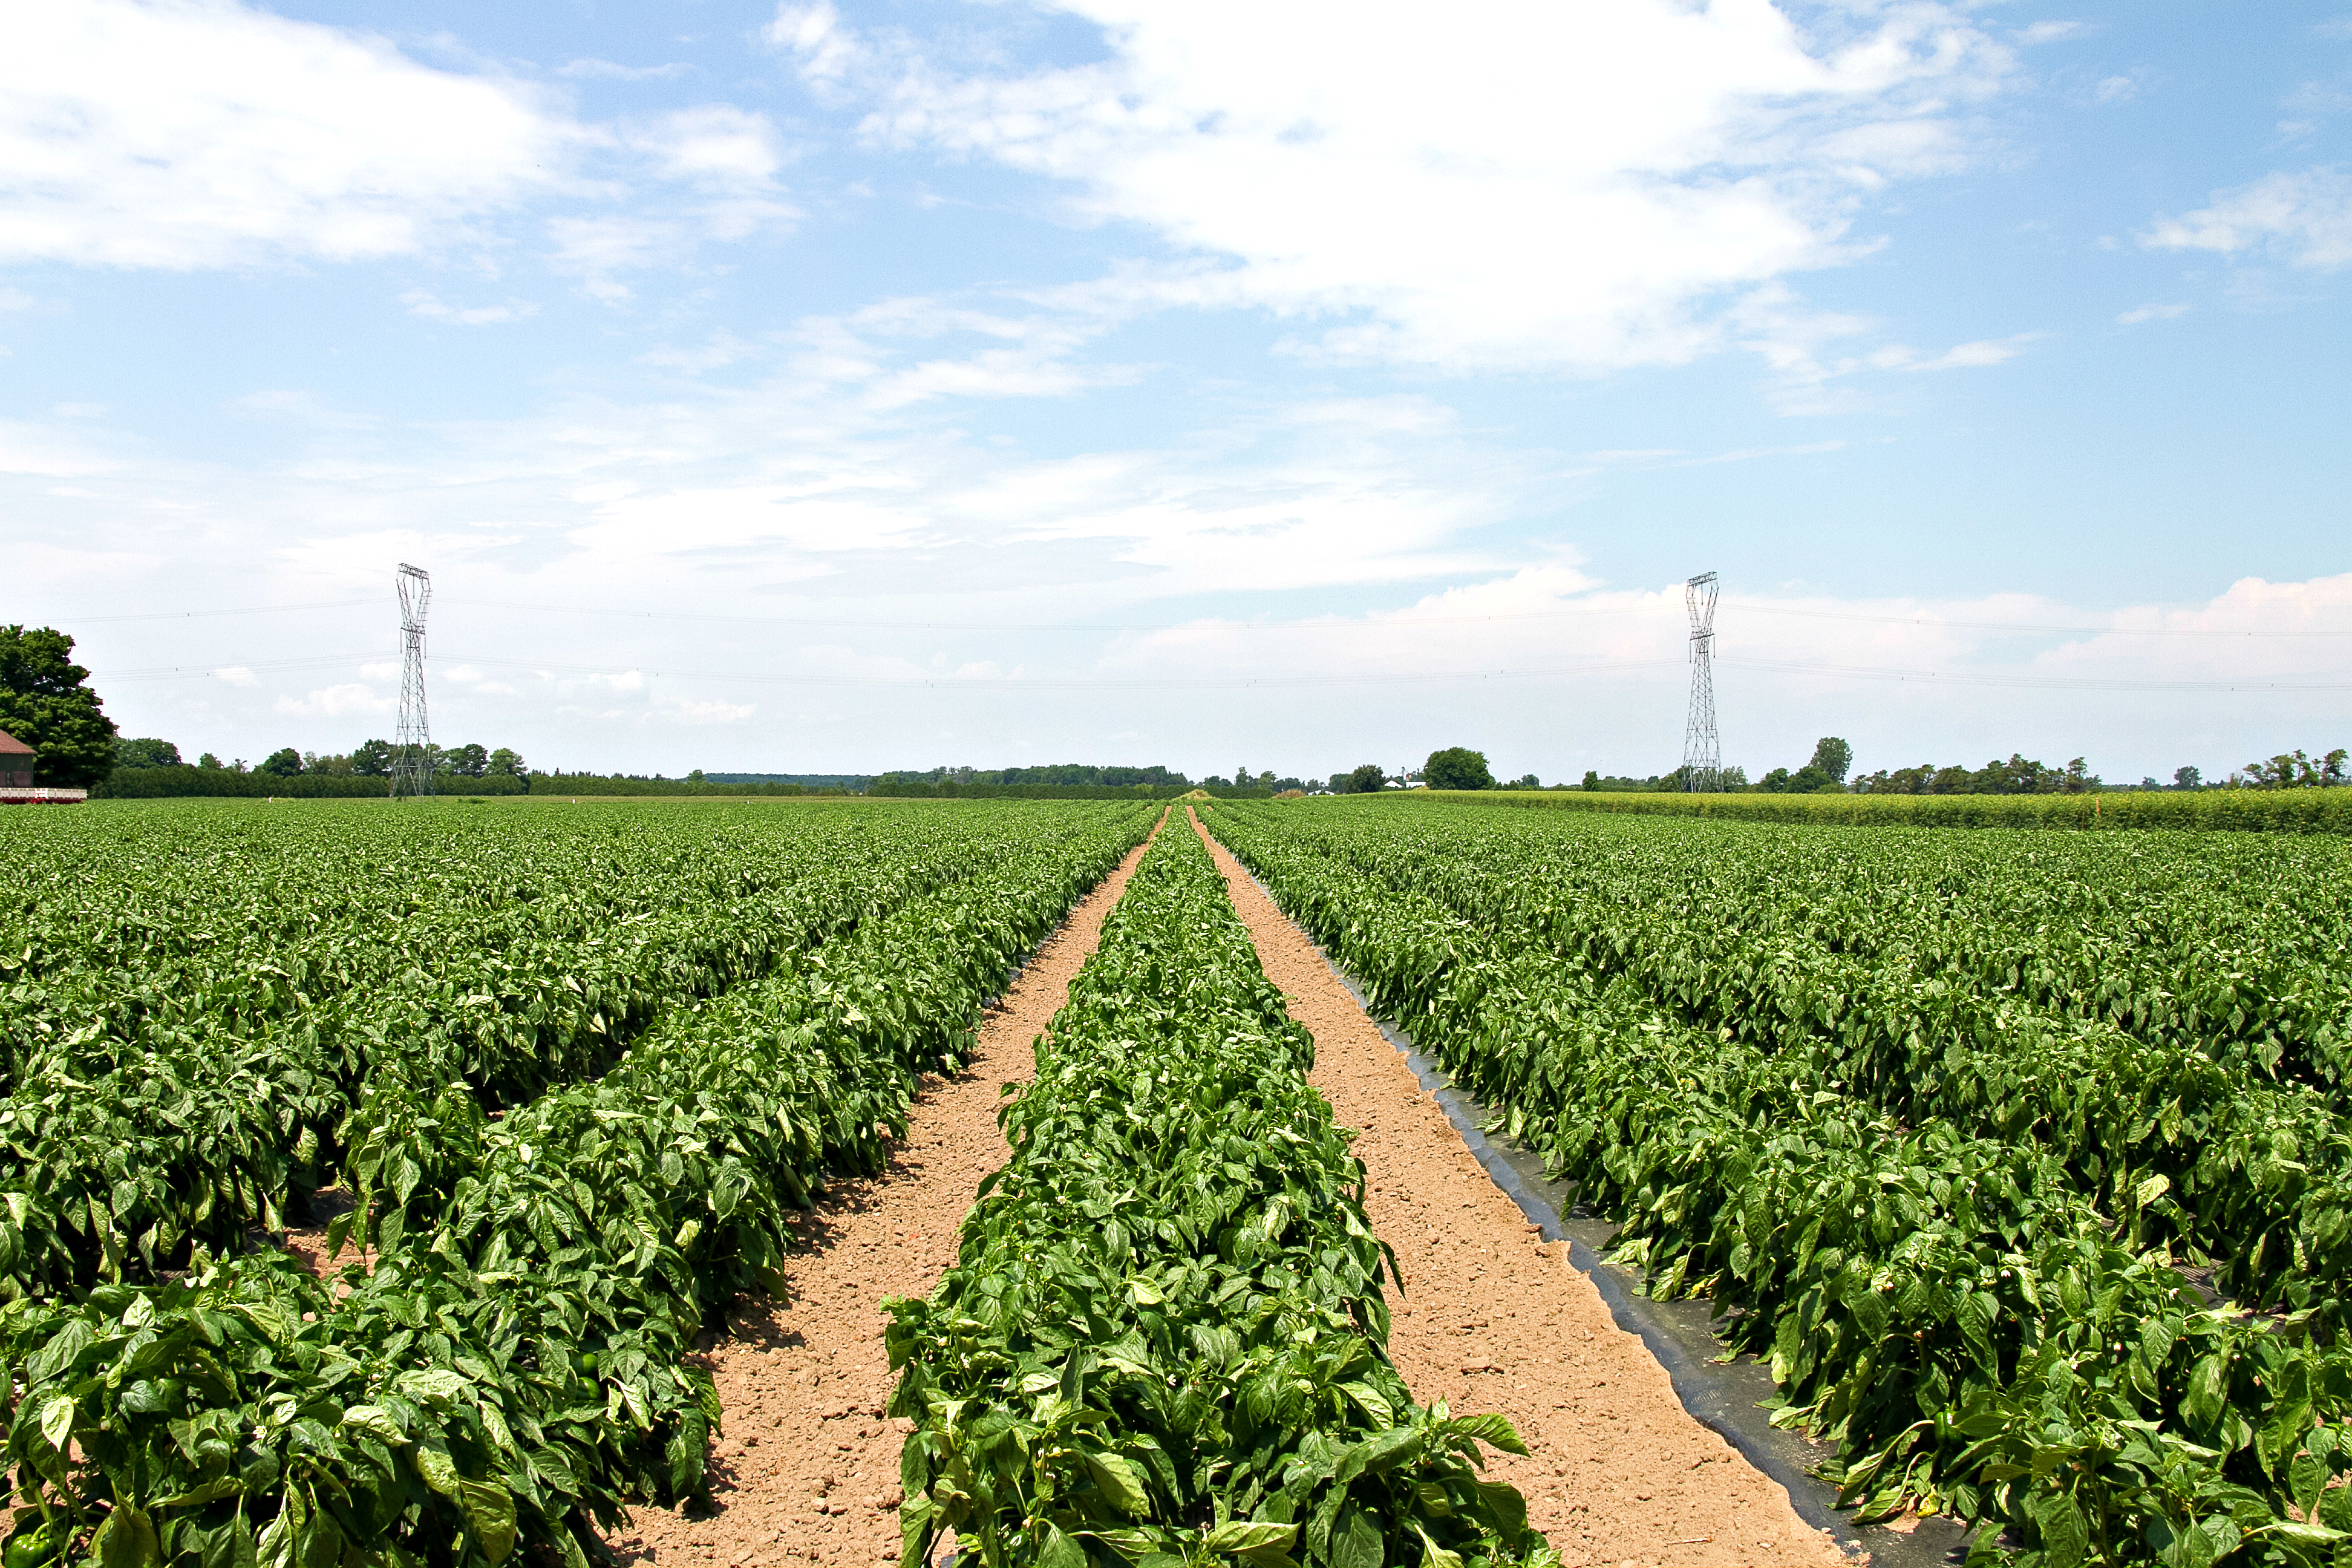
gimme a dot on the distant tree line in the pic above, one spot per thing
(370, 759)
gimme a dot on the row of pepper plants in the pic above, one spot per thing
(1982, 1320)
(1163, 1341)
(269, 1042)
(2246, 1174)
(2235, 945)
(510, 1367)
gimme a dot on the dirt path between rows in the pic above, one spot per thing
(1492, 1316)
(807, 1466)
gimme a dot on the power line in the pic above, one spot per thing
(1246, 682)
(1381, 624)
(243, 610)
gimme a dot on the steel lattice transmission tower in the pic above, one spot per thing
(412, 748)
(1702, 751)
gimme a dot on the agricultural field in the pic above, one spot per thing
(571, 1068)
(2020, 1158)
(377, 1185)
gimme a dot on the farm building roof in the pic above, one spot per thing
(10, 746)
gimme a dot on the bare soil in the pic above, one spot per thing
(1490, 1317)
(806, 1467)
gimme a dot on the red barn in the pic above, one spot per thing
(16, 763)
(16, 787)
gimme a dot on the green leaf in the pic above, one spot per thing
(1120, 1482)
(371, 1419)
(127, 1539)
(2065, 1534)
(1356, 1540)
(1240, 1535)
(1059, 1551)
(57, 1421)
(489, 1513)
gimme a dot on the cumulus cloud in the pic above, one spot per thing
(342, 701)
(1530, 186)
(184, 133)
(421, 302)
(201, 134)
(2305, 218)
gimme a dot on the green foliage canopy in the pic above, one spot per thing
(46, 702)
(1457, 767)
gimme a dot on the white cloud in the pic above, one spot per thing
(296, 406)
(341, 701)
(235, 675)
(1975, 355)
(2052, 32)
(607, 70)
(713, 144)
(422, 303)
(2133, 317)
(50, 451)
(2115, 89)
(2304, 217)
(182, 134)
(200, 133)
(1533, 186)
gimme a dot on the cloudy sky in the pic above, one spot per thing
(846, 387)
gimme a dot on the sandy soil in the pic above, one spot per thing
(1491, 1317)
(807, 1466)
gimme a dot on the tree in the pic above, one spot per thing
(469, 762)
(1592, 778)
(373, 759)
(1527, 781)
(1831, 758)
(1369, 779)
(2187, 778)
(46, 702)
(695, 777)
(281, 764)
(208, 761)
(1457, 767)
(146, 752)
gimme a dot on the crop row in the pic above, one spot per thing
(206, 1112)
(1163, 1341)
(2249, 1175)
(512, 1369)
(2235, 946)
(1952, 1310)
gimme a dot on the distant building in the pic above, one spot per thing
(16, 763)
(16, 787)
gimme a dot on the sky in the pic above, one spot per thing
(838, 386)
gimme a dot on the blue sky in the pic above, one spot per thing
(845, 386)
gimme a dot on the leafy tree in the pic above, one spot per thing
(1831, 758)
(695, 777)
(1369, 779)
(146, 752)
(467, 761)
(1775, 782)
(373, 759)
(282, 764)
(46, 702)
(1527, 781)
(507, 764)
(1457, 767)
(1591, 778)
(208, 761)
(2187, 778)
